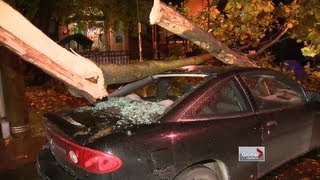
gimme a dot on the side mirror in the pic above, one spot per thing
(313, 96)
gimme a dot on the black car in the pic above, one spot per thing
(230, 123)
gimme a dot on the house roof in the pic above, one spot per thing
(175, 37)
(79, 38)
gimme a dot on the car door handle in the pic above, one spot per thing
(271, 123)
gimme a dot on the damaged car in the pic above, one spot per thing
(205, 123)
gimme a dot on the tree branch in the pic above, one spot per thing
(24, 39)
(242, 48)
(266, 46)
(174, 22)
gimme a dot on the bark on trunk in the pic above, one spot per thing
(116, 73)
(124, 73)
(20, 36)
(174, 22)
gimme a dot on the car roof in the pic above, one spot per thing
(186, 71)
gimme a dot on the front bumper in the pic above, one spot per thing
(48, 168)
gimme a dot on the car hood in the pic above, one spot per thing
(86, 124)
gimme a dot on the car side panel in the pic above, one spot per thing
(162, 151)
(220, 140)
(286, 135)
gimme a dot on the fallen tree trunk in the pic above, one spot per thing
(124, 73)
(174, 22)
(117, 73)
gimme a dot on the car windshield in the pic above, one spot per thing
(167, 88)
(142, 103)
(163, 89)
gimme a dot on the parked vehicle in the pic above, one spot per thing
(192, 132)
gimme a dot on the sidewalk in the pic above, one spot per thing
(19, 151)
(23, 148)
(18, 155)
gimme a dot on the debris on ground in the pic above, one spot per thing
(40, 99)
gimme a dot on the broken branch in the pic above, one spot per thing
(266, 46)
(174, 22)
(24, 39)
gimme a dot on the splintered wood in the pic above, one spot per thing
(20, 36)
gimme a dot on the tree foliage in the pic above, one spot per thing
(28, 8)
(305, 17)
(90, 13)
(255, 23)
(112, 11)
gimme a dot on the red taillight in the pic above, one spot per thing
(97, 162)
(86, 158)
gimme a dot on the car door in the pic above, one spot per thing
(287, 121)
(225, 112)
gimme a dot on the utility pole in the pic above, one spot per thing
(155, 42)
(139, 33)
(13, 89)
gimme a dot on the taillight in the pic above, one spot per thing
(89, 159)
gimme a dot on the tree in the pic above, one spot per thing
(171, 20)
(305, 18)
(91, 80)
(258, 24)
(235, 22)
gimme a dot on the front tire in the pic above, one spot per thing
(197, 172)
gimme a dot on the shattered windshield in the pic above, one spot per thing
(128, 111)
(143, 105)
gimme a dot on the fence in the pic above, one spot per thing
(109, 57)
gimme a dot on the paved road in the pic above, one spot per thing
(306, 168)
(26, 172)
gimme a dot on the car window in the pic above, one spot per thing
(168, 88)
(271, 92)
(224, 99)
